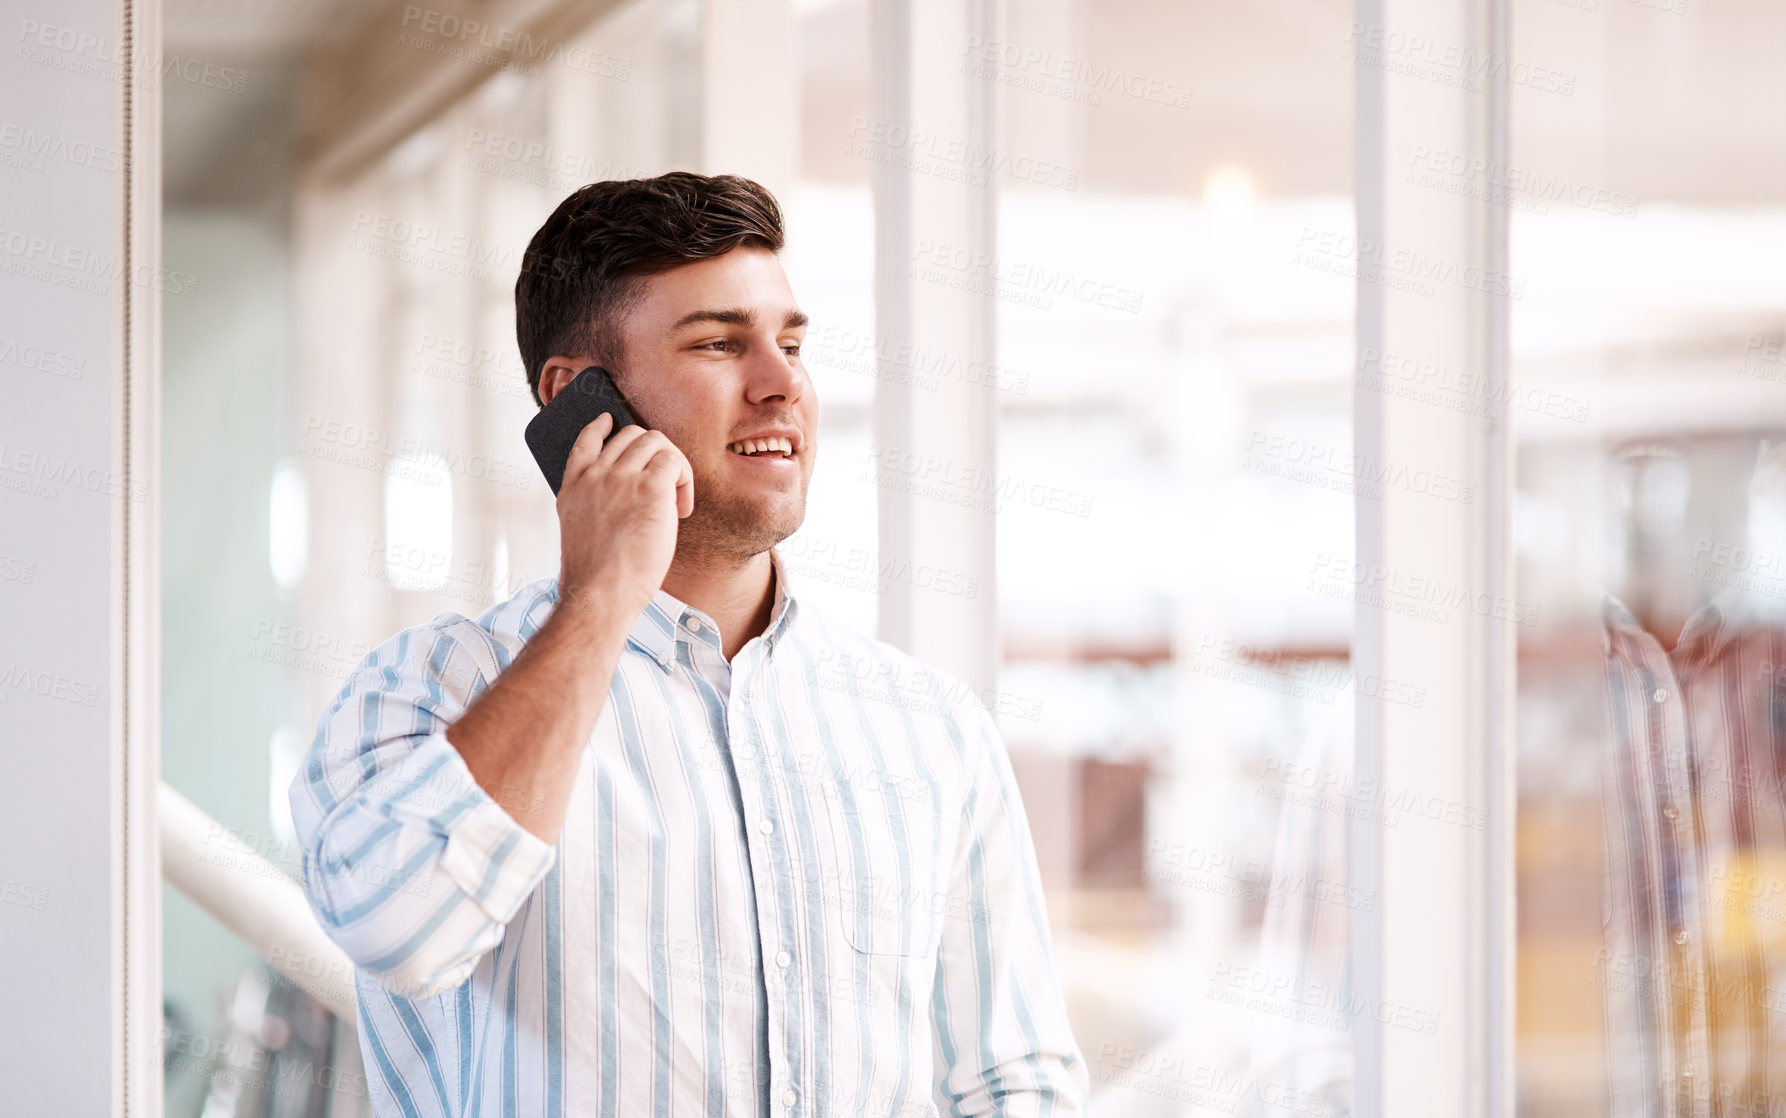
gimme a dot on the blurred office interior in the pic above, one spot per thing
(1173, 596)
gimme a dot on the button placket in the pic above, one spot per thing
(741, 745)
(1667, 695)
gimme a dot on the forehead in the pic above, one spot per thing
(748, 278)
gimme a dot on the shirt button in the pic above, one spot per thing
(766, 826)
(1671, 812)
(1681, 937)
(1661, 695)
(663, 661)
(782, 959)
(1686, 1073)
(788, 1097)
(693, 623)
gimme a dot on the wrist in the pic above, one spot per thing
(594, 611)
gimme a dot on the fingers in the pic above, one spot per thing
(685, 499)
(587, 449)
(640, 448)
(615, 448)
(632, 448)
(594, 446)
(685, 485)
(670, 462)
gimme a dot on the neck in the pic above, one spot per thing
(739, 597)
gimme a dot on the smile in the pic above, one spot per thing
(770, 448)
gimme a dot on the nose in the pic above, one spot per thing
(774, 376)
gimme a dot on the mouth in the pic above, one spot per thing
(769, 458)
(774, 449)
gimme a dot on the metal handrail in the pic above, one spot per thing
(254, 899)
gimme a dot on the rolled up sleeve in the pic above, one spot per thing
(410, 866)
(1004, 1044)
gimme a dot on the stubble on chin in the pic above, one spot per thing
(727, 528)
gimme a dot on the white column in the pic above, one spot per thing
(1433, 287)
(930, 127)
(80, 914)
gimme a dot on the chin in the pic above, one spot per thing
(780, 522)
(752, 527)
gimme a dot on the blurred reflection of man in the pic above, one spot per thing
(656, 836)
(1305, 1060)
(1695, 808)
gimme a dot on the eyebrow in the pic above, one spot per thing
(736, 316)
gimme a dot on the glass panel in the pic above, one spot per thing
(1647, 202)
(1175, 513)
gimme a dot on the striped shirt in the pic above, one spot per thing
(799, 883)
(1695, 882)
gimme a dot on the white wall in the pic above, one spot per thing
(66, 504)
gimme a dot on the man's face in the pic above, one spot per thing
(712, 356)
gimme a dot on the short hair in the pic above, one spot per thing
(583, 269)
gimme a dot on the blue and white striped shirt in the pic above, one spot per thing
(799, 883)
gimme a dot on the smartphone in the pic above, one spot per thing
(552, 433)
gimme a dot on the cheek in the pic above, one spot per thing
(669, 400)
(685, 428)
(693, 420)
(710, 463)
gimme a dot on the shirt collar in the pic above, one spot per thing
(1703, 637)
(666, 619)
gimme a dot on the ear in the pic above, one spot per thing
(560, 371)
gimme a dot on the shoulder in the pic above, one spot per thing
(845, 659)
(458, 653)
(508, 624)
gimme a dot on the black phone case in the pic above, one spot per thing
(552, 433)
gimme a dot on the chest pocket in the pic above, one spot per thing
(882, 857)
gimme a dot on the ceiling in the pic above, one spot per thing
(1662, 106)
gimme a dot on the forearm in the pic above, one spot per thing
(432, 801)
(410, 866)
(523, 738)
(1005, 1041)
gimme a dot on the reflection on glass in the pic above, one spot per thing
(1647, 408)
(1176, 618)
(1695, 819)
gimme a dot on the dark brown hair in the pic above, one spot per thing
(582, 269)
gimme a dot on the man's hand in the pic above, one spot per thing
(618, 508)
(617, 511)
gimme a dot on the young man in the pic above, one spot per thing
(657, 837)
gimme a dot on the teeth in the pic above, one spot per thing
(758, 446)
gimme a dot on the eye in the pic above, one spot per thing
(722, 343)
(792, 349)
